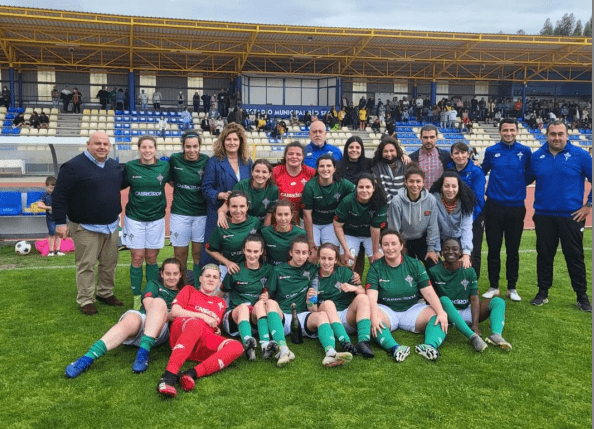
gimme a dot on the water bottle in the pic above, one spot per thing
(296, 335)
(315, 284)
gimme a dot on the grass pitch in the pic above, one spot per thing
(544, 382)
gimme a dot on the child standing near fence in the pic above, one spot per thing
(45, 203)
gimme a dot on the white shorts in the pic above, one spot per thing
(355, 242)
(343, 319)
(324, 234)
(184, 229)
(466, 314)
(231, 328)
(143, 235)
(302, 317)
(405, 320)
(162, 338)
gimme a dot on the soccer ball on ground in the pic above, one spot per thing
(22, 248)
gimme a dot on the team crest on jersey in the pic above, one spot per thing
(497, 155)
(221, 306)
(464, 283)
(253, 231)
(306, 274)
(409, 280)
(160, 178)
(520, 155)
(336, 196)
(263, 281)
(303, 181)
(201, 173)
(371, 213)
(266, 201)
(542, 156)
(337, 285)
(293, 183)
(567, 156)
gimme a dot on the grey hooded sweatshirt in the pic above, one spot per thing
(414, 219)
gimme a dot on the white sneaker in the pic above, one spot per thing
(491, 293)
(51, 254)
(513, 295)
(337, 359)
(59, 253)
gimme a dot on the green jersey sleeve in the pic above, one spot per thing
(422, 276)
(380, 218)
(372, 278)
(308, 194)
(215, 241)
(341, 213)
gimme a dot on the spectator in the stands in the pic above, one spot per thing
(43, 120)
(66, 96)
(120, 97)
(294, 118)
(19, 121)
(307, 119)
(157, 98)
(181, 101)
(362, 118)
(103, 96)
(76, 100)
(34, 120)
(162, 126)
(55, 97)
(143, 98)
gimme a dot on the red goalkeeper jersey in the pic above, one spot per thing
(192, 299)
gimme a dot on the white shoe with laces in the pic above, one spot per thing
(513, 295)
(491, 293)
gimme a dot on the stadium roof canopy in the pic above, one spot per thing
(76, 41)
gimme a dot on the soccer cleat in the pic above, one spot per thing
(269, 349)
(137, 302)
(513, 295)
(427, 351)
(141, 362)
(364, 349)
(499, 341)
(250, 348)
(59, 253)
(166, 389)
(79, 366)
(284, 357)
(337, 359)
(478, 343)
(493, 291)
(187, 382)
(51, 254)
(539, 300)
(349, 348)
(399, 353)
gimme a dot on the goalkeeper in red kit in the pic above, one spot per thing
(194, 334)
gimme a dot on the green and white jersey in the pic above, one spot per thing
(229, 241)
(329, 289)
(154, 289)
(323, 200)
(358, 218)
(397, 287)
(278, 243)
(246, 285)
(146, 200)
(261, 200)
(188, 199)
(457, 285)
(289, 285)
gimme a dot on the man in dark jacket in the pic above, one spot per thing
(432, 160)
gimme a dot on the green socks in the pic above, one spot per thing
(497, 316)
(434, 335)
(263, 329)
(326, 336)
(136, 279)
(147, 342)
(97, 350)
(385, 339)
(277, 329)
(152, 272)
(455, 318)
(363, 330)
(245, 330)
(340, 333)
(197, 272)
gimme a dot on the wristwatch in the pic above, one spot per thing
(588, 204)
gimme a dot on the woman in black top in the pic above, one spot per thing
(353, 160)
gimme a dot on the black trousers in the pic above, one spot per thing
(549, 231)
(478, 228)
(418, 249)
(503, 222)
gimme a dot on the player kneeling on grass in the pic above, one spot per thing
(341, 296)
(247, 298)
(393, 283)
(289, 283)
(458, 289)
(195, 334)
(145, 328)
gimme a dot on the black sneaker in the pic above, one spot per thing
(364, 349)
(539, 299)
(584, 304)
(349, 347)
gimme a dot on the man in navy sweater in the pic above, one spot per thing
(507, 161)
(88, 192)
(560, 170)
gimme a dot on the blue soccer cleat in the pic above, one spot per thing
(79, 366)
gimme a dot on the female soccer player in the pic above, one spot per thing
(188, 210)
(262, 193)
(359, 219)
(278, 237)
(145, 328)
(458, 289)
(247, 297)
(388, 166)
(413, 213)
(321, 196)
(290, 283)
(353, 160)
(343, 299)
(194, 334)
(455, 205)
(291, 175)
(393, 283)
(144, 223)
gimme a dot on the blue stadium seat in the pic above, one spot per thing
(16, 131)
(10, 203)
(118, 132)
(118, 139)
(119, 112)
(128, 139)
(118, 126)
(7, 123)
(6, 131)
(12, 110)
(10, 115)
(134, 119)
(142, 119)
(126, 112)
(126, 125)
(134, 113)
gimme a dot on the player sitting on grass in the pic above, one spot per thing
(289, 283)
(195, 334)
(145, 328)
(458, 289)
(247, 297)
(393, 283)
(342, 297)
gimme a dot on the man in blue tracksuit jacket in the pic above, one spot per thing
(318, 146)
(560, 170)
(507, 162)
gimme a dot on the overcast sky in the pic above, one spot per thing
(488, 16)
